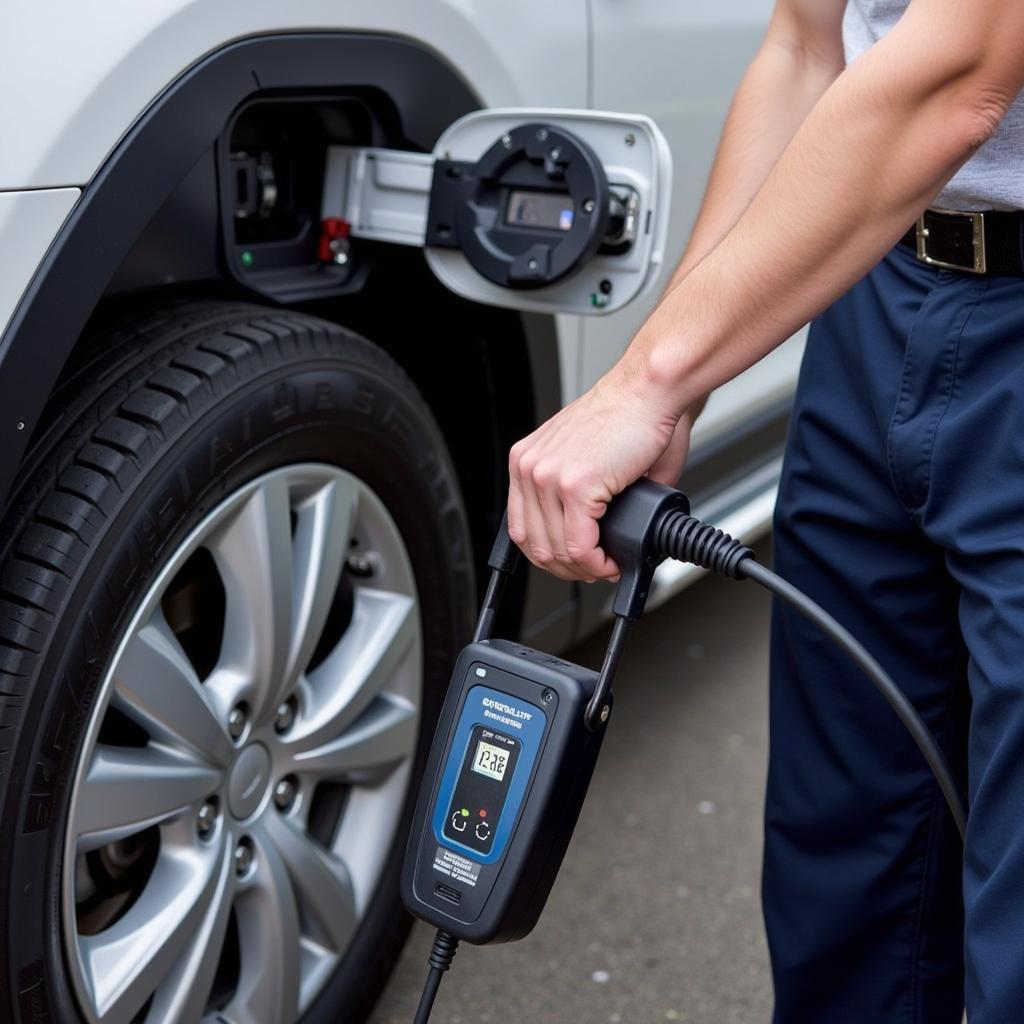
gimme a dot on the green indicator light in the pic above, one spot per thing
(247, 258)
(464, 812)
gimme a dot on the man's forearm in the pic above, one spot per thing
(874, 151)
(784, 81)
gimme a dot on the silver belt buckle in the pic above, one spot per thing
(977, 241)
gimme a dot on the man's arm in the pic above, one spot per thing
(799, 58)
(877, 147)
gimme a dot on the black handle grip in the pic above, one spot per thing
(627, 535)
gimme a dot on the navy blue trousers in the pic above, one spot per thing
(901, 511)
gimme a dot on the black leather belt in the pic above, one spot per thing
(974, 243)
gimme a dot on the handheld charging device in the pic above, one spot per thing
(514, 751)
(509, 782)
(520, 732)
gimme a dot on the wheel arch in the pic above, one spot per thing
(176, 134)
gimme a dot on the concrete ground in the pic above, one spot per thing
(655, 915)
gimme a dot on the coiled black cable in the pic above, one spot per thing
(688, 539)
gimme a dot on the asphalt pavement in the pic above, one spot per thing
(655, 915)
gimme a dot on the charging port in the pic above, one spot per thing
(272, 181)
(446, 892)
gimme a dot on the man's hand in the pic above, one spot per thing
(562, 476)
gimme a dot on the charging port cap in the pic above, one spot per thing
(562, 211)
(528, 213)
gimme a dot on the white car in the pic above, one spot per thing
(253, 445)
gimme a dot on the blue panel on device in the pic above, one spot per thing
(495, 746)
(506, 777)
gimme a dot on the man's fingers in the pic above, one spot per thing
(535, 543)
(583, 537)
(539, 504)
(516, 516)
(545, 483)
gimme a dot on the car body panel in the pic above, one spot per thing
(29, 222)
(79, 75)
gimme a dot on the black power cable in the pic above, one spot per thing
(688, 539)
(442, 953)
(894, 697)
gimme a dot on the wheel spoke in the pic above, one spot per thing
(382, 737)
(127, 963)
(128, 789)
(156, 686)
(383, 633)
(253, 552)
(320, 881)
(268, 925)
(321, 540)
(182, 997)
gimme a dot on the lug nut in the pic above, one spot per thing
(243, 857)
(284, 794)
(284, 717)
(236, 722)
(360, 565)
(206, 819)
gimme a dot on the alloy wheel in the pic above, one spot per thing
(246, 760)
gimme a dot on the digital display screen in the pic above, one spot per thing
(552, 210)
(488, 768)
(490, 760)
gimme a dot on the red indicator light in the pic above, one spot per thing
(483, 813)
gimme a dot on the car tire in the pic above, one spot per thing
(154, 430)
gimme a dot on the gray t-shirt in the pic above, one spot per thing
(993, 179)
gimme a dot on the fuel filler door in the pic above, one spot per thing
(558, 211)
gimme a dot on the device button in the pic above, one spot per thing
(483, 831)
(459, 822)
